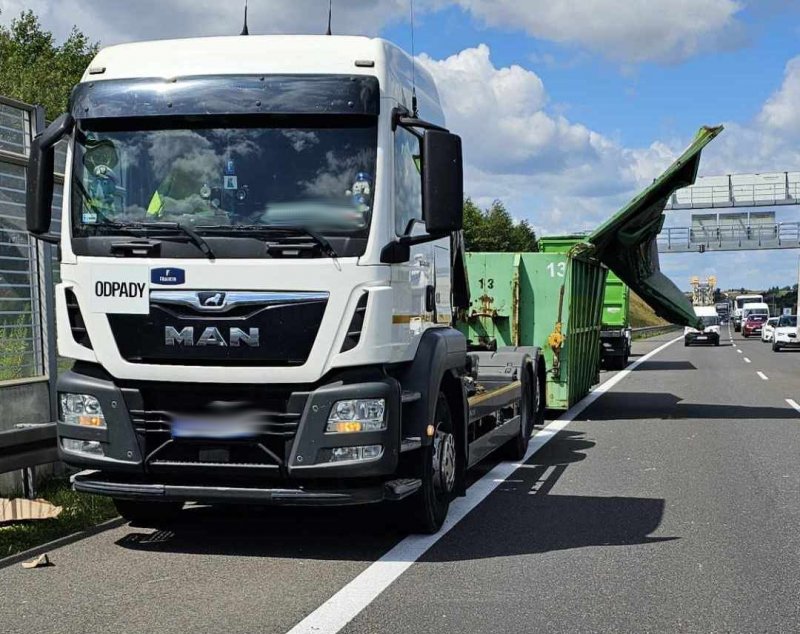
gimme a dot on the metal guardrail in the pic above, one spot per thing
(647, 330)
(26, 447)
(780, 235)
(783, 190)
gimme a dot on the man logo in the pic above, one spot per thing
(211, 336)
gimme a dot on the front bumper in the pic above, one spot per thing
(99, 483)
(787, 342)
(289, 451)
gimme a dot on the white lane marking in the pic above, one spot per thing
(746, 360)
(793, 404)
(347, 603)
(739, 351)
(763, 376)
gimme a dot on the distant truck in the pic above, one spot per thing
(710, 332)
(615, 333)
(739, 303)
(724, 311)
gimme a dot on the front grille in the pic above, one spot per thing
(253, 329)
(76, 324)
(276, 418)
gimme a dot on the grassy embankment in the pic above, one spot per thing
(80, 511)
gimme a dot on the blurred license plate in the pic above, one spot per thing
(218, 429)
(702, 338)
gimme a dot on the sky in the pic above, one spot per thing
(567, 107)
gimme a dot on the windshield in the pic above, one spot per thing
(756, 318)
(710, 320)
(316, 173)
(788, 321)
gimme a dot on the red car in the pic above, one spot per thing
(753, 325)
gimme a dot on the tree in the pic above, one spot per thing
(493, 229)
(35, 69)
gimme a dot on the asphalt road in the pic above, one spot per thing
(670, 504)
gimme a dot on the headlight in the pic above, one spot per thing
(356, 415)
(81, 409)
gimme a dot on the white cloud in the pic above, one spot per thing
(559, 174)
(781, 112)
(629, 31)
(115, 21)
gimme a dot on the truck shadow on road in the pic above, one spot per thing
(623, 406)
(522, 509)
(666, 365)
(532, 519)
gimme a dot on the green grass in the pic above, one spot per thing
(80, 511)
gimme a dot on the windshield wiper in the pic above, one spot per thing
(261, 231)
(194, 237)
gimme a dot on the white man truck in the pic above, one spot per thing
(261, 266)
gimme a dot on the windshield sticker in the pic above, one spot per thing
(120, 290)
(231, 182)
(89, 217)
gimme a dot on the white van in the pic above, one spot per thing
(755, 308)
(710, 332)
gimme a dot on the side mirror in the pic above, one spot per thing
(40, 176)
(442, 182)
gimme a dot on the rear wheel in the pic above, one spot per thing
(427, 508)
(686, 343)
(517, 447)
(146, 512)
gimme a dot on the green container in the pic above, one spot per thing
(549, 300)
(616, 297)
(616, 303)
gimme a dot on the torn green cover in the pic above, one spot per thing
(626, 243)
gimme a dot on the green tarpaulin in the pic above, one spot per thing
(626, 243)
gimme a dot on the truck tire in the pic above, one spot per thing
(540, 401)
(146, 512)
(426, 510)
(517, 447)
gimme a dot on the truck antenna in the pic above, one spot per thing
(330, 15)
(245, 30)
(414, 108)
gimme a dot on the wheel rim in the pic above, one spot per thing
(444, 461)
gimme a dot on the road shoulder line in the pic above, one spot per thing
(358, 594)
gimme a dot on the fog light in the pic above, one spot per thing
(90, 447)
(357, 415)
(352, 454)
(80, 409)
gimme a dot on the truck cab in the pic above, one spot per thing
(260, 261)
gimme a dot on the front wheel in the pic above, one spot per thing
(775, 347)
(427, 508)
